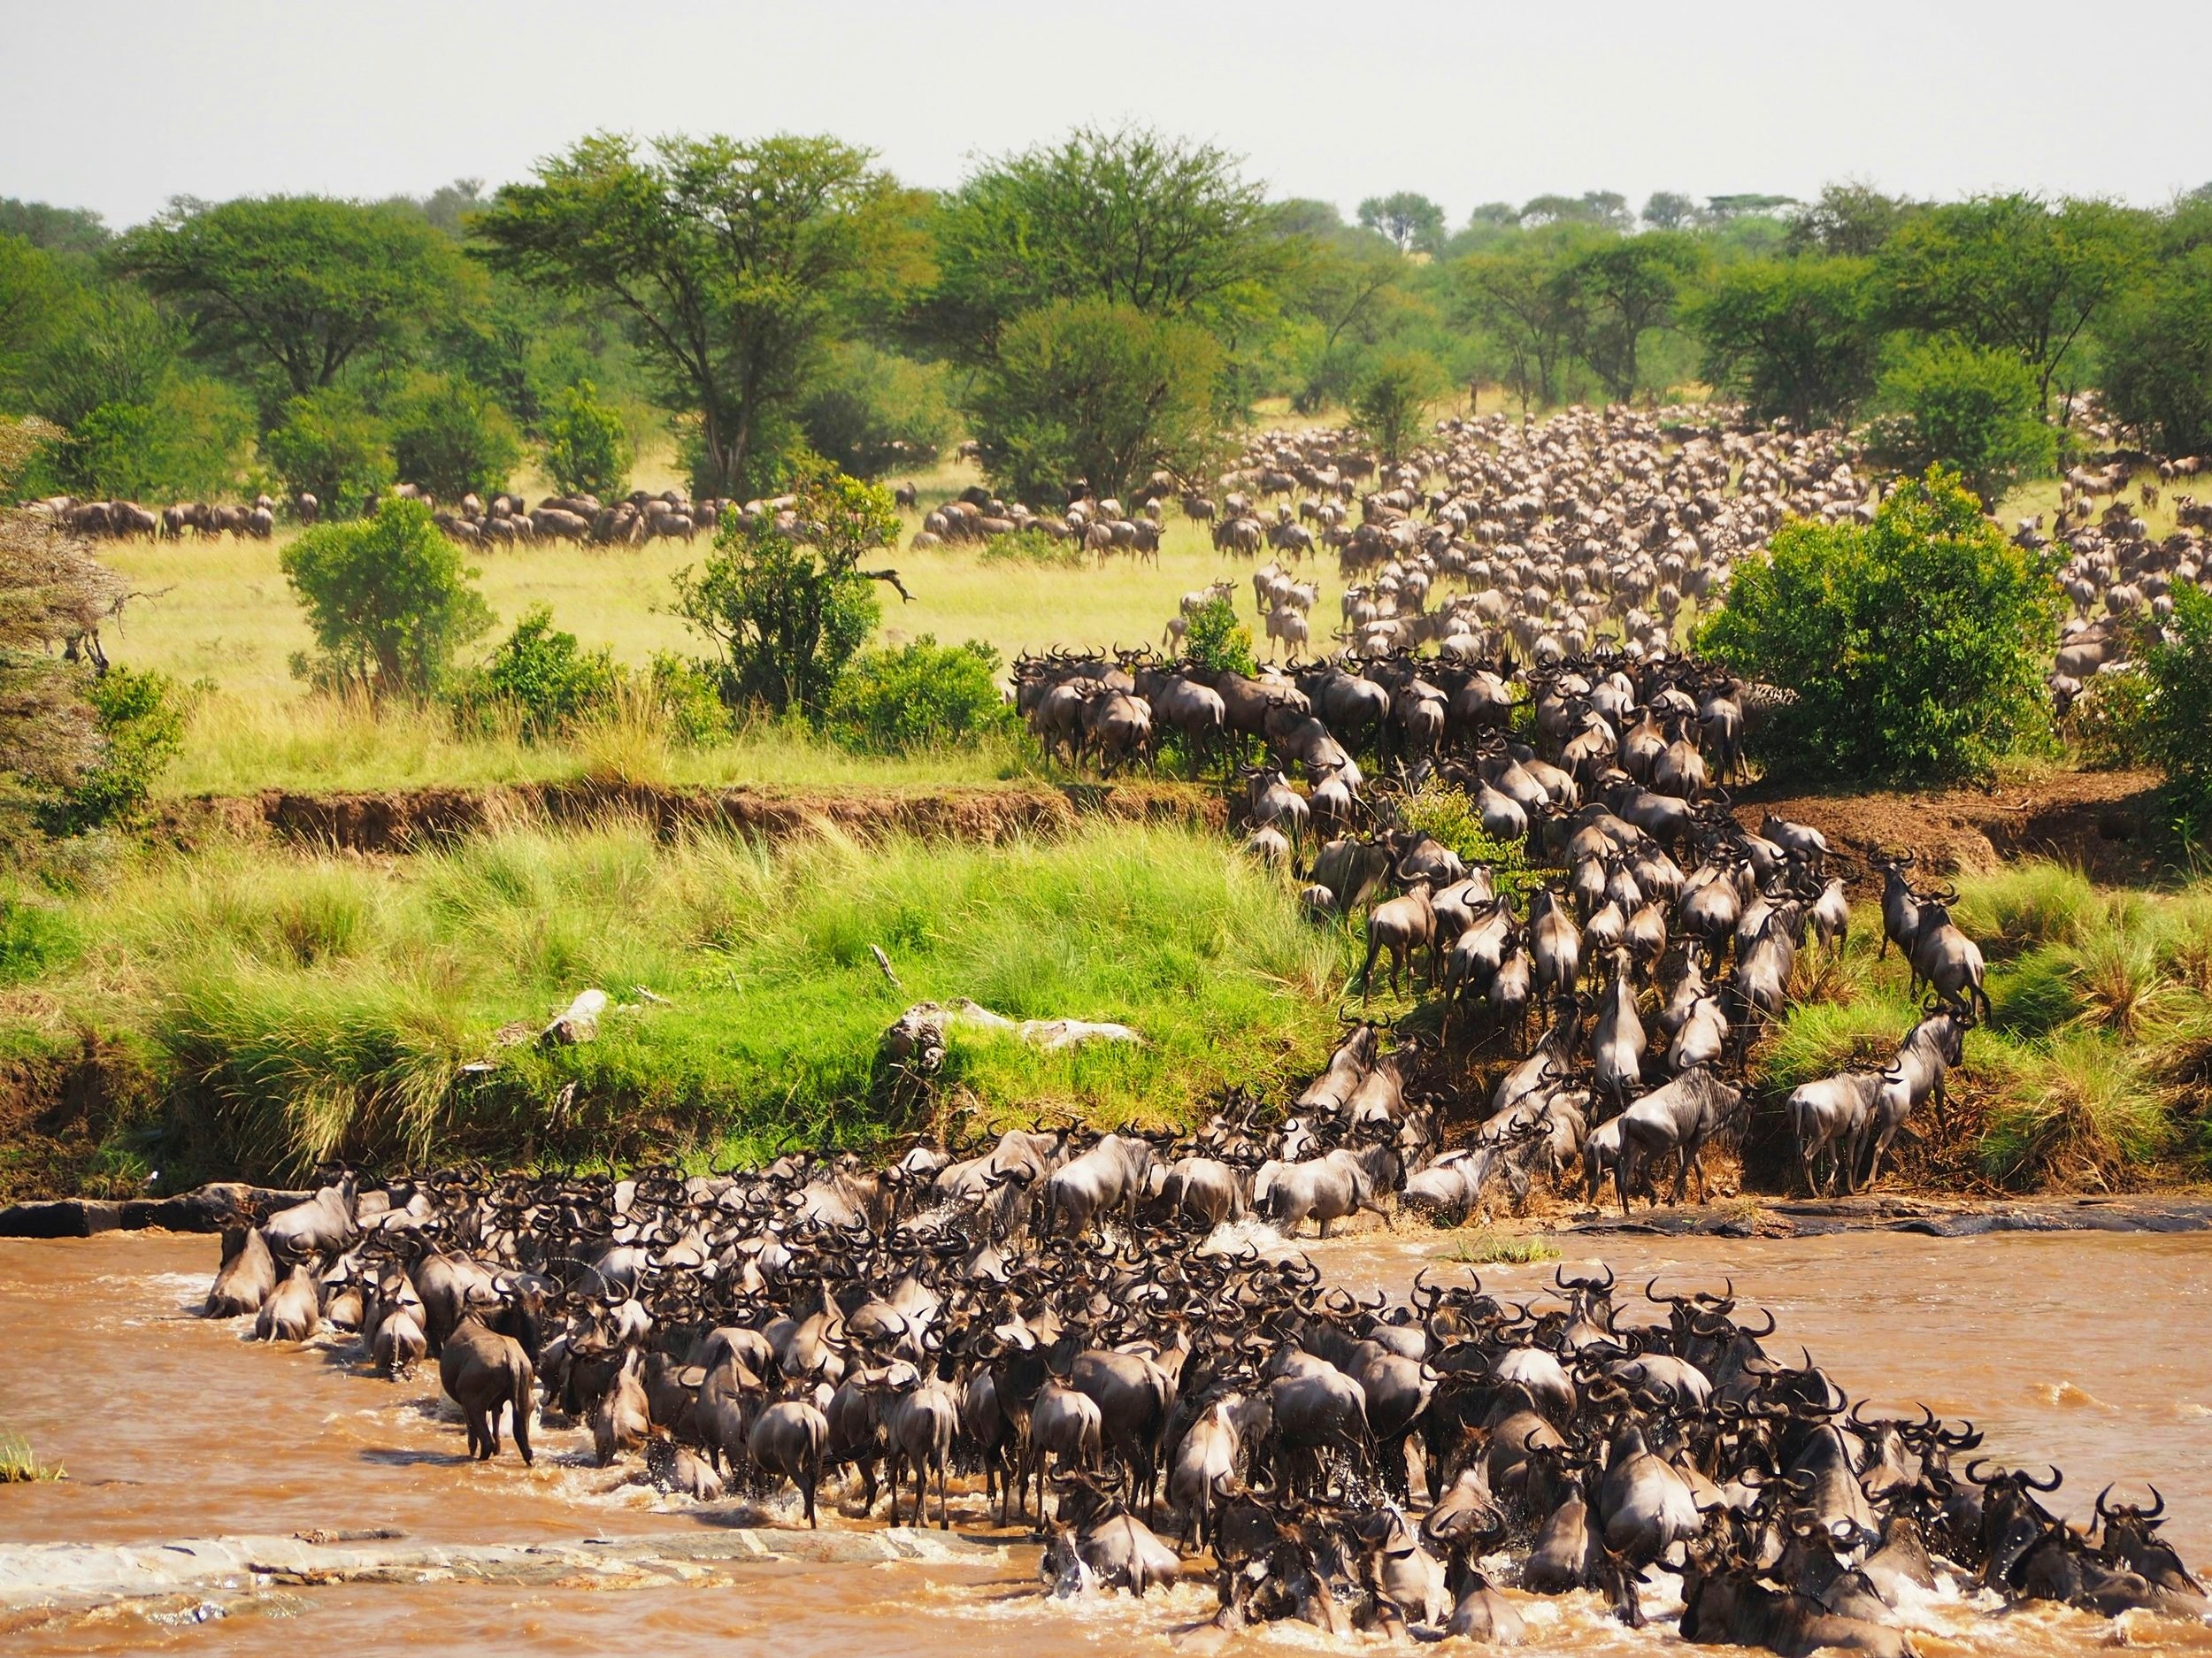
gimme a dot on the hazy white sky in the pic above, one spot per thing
(119, 104)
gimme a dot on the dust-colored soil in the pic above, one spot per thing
(404, 820)
(2105, 823)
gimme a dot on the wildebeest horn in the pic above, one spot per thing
(2058, 1478)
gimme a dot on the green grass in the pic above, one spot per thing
(297, 1007)
(2095, 1066)
(1484, 1248)
(19, 1467)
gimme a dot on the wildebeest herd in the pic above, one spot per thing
(1064, 1318)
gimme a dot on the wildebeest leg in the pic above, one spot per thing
(807, 1478)
(1367, 973)
(944, 1523)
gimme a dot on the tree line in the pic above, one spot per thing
(1094, 308)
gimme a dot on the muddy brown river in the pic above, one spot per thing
(2091, 1350)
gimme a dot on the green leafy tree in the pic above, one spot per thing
(1217, 641)
(1407, 217)
(1670, 210)
(1916, 645)
(330, 445)
(1849, 220)
(390, 601)
(587, 448)
(1391, 401)
(2013, 273)
(1347, 292)
(36, 300)
(1615, 292)
(2179, 709)
(299, 285)
(871, 411)
(1792, 337)
(2157, 356)
(788, 608)
(1090, 390)
(732, 263)
(190, 440)
(452, 438)
(54, 596)
(1979, 412)
(69, 231)
(905, 698)
(1515, 296)
(1129, 218)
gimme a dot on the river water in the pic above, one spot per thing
(2091, 1350)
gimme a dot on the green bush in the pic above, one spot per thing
(36, 937)
(1034, 548)
(871, 411)
(1915, 644)
(546, 676)
(331, 446)
(1977, 412)
(452, 438)
(1217, 642)
(2157, 357)
(587, 446)
(688, 700)
(390, 601)
(2110, 723)
(2179, 669)
(918, 696)
(1438, 809)
(1390, 401)
(789, 609)
(140, 718)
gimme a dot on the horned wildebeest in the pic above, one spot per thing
(1680, 1118)
(1401, 926)
(294, 1309)
(486, 1363)
(1095, 1534)
(323, 1225)
(1111, 1176)
(1943, 957)
(1327, 1188)
(920, 1416)
(1930, 1048)
(247, 1276)
(1826, 1118)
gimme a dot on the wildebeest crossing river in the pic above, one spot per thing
(2082, 1349)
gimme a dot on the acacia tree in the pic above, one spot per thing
(1615, 292)
(2013, 273)
(1514, 297)
(303, 285)
(1407, 217)
(1791, 337)
(1129, 218)
(733, 264)
(1390, 403)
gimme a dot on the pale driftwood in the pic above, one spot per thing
(579, 1022)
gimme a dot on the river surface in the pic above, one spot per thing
(2090, 1350)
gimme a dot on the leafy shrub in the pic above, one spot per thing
(918, 696)
(2157, 356)
(1391, 400)
(1438, 809)
(1217, 642)
(787, 609)
(546, 676)
(1979, 412)
(872, 411)
(688, 700)
(2179, 706)
(1915, 644)
(2110, 724)
(140, 720)
(452, 438)
(390, 601)
(331, 446)
(587, 448)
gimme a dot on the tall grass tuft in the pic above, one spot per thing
(2078, 1113)
(2028, 905)
(19, 1467)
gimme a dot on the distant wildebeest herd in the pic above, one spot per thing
(1064, 1317)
